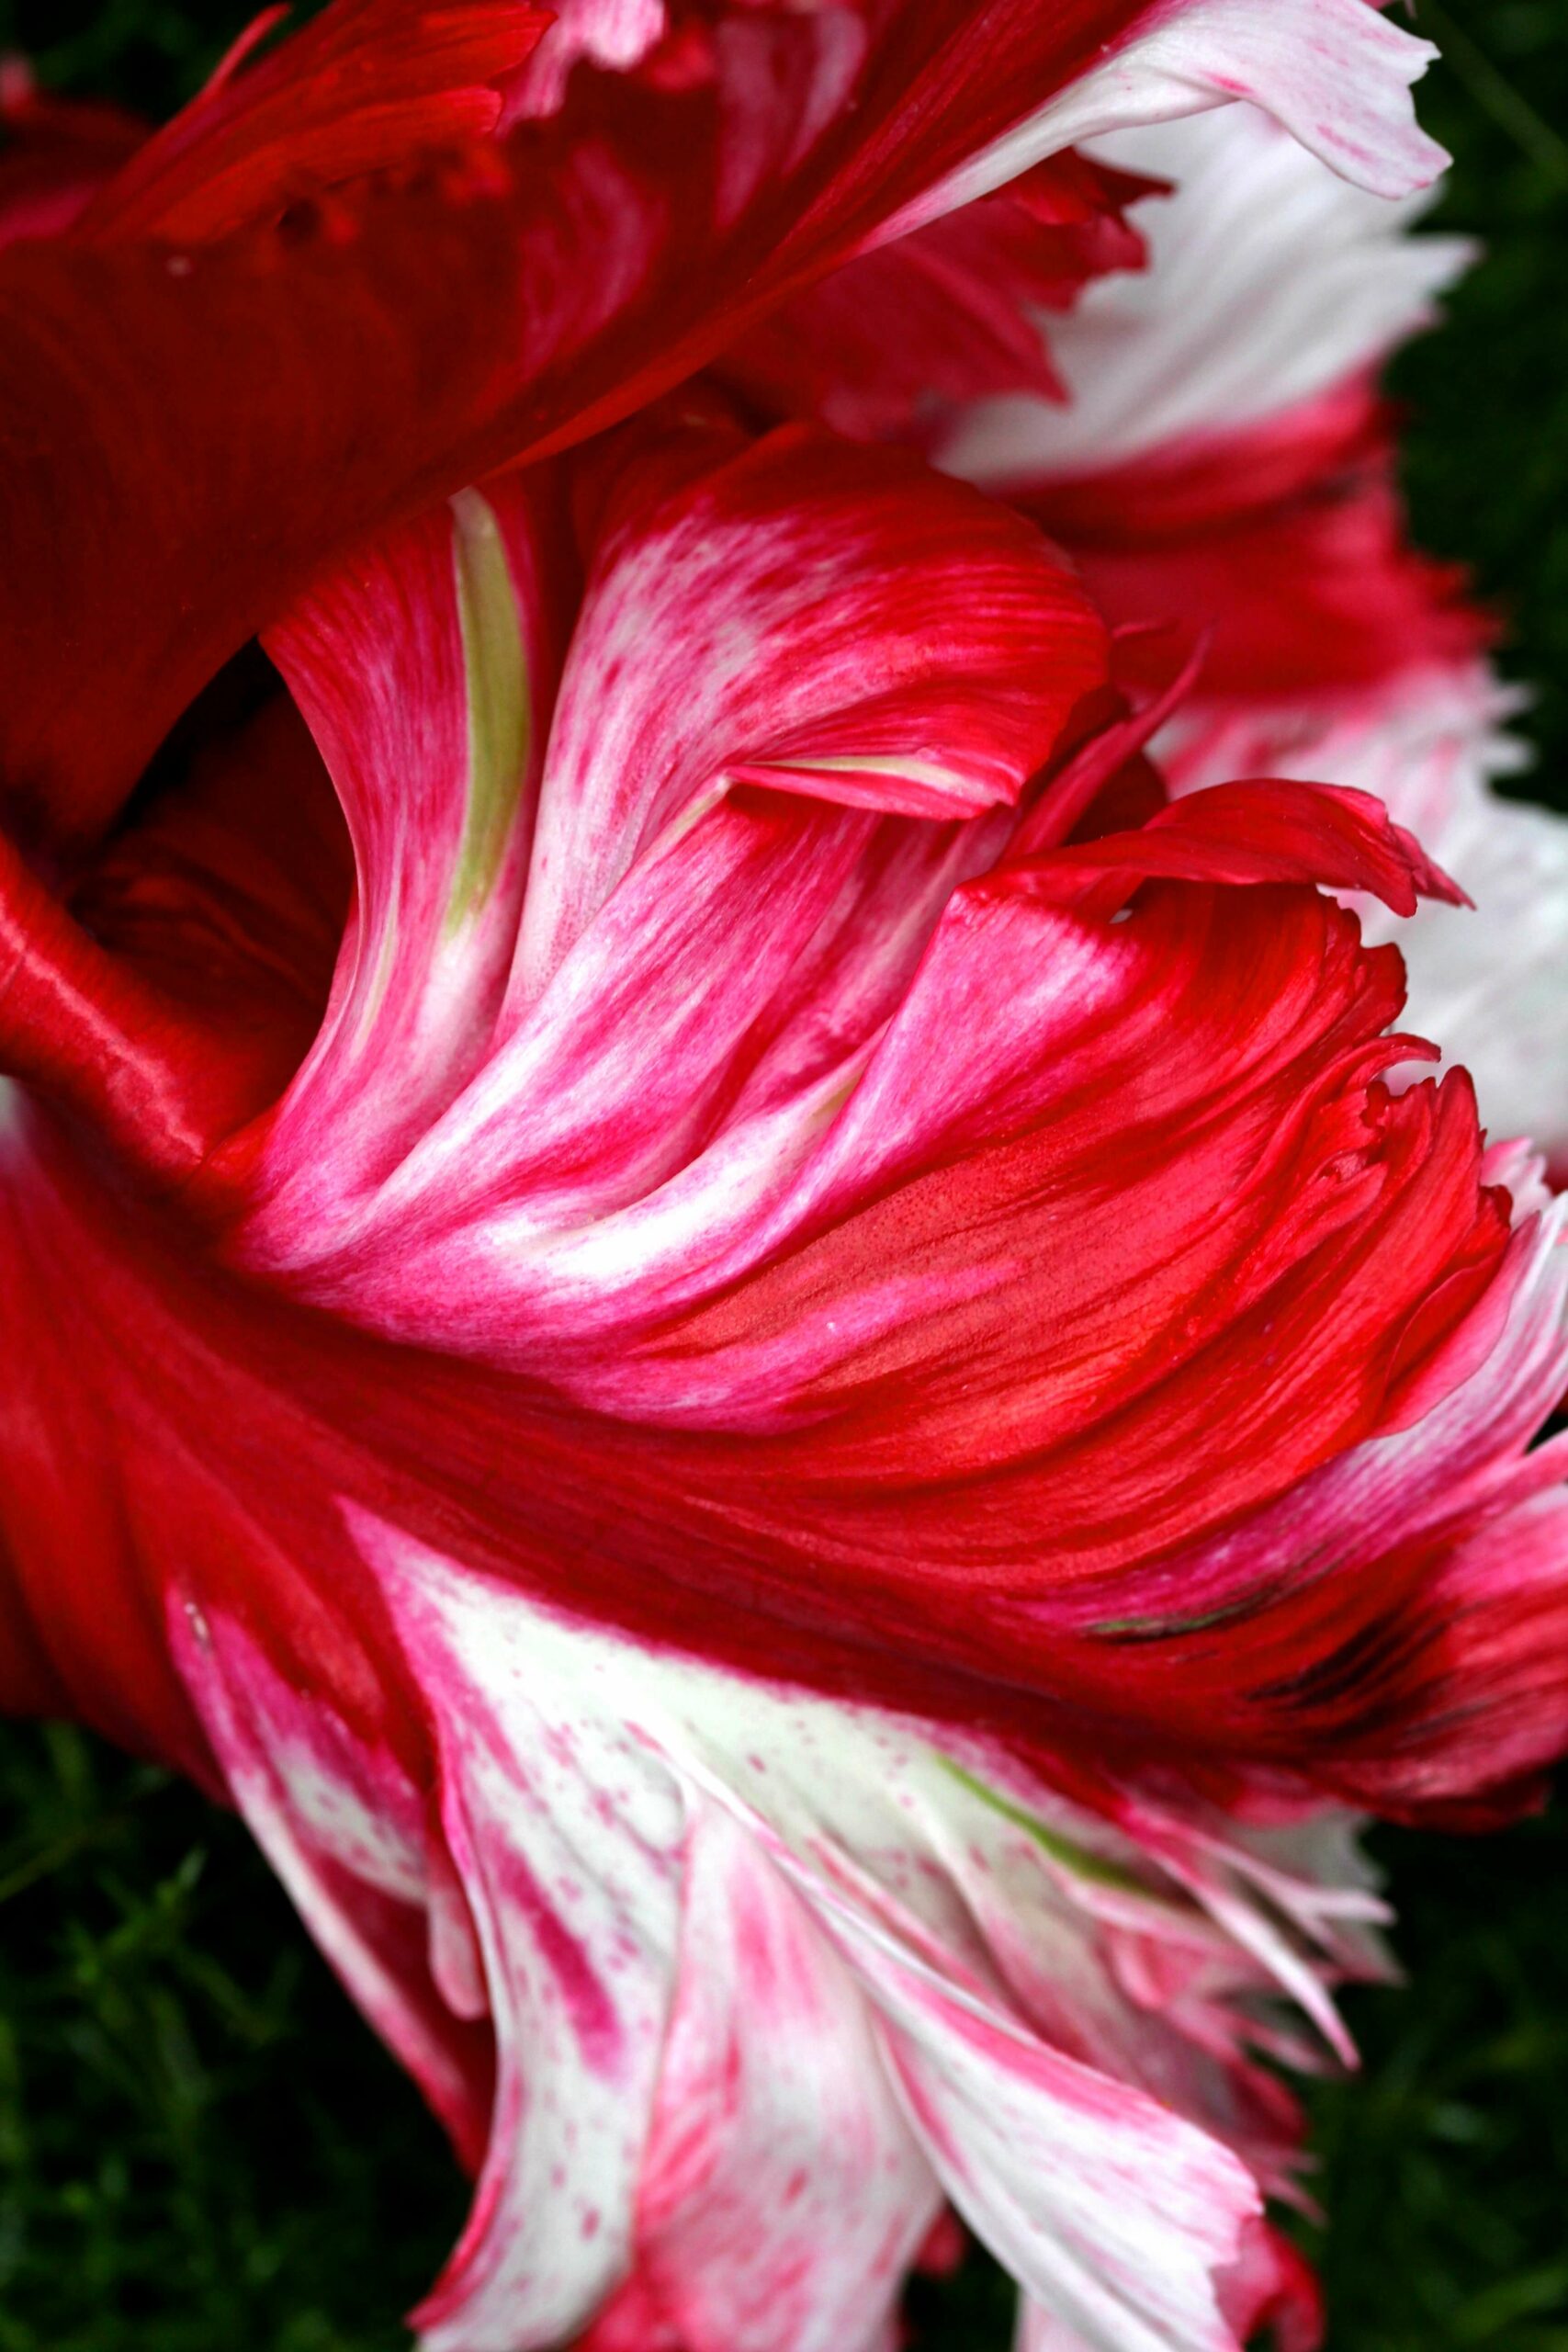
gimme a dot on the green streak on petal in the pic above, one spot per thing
(1066, 1850)
(1160, 1629)
(386, 959)
(500, 715)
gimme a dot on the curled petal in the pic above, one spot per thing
(427, 672)
(1332, 76)
(713, 909)
(1261, 832)
(810, 618)
(1486, 985)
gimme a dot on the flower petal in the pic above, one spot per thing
(947, 315)
(345, 1826)
(1099, 2202)
(1259, 833)
(1272, 282)
(783, 2197)
(611, 33)
(365, 84)
(1366, 1670)
(335, 380)
(1331, 74)
(1224, 463)
(427, 674)
(809, 1827)
(812, 618)
(1486, 984)
(714, 911)
(592, 1801)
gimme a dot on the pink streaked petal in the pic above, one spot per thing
(559, 1180)
(426, 671)
(1269, 2286)
(349, 1835)
(1145, 1960)
(1334, 75)
(809, 616)
(1040, 2330)
(898, 1534)
(905, 1244)
(617, 33)
(1108, 2209)
(797, 1806)
(566, 1834)
(966, 1858)
(627, 1064)
(1011, 1009)
(710, 969)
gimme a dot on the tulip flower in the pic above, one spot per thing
(750, 1345)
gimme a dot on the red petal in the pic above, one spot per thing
(365, 84)
(947, 313)
(810, 618)
(1064, 1471)
(198, 433)
(1274, 832)
(1287, 542)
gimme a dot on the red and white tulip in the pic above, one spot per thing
(748, 1342)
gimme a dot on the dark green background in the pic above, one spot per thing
(203, 2150)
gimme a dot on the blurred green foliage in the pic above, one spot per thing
(202, 2149)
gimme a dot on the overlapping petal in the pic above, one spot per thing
(335, 377)
(501, 1821)
(888, 345)
(715, 1106)
(1430, 742)
(1223, 465)
(675, 945)
(744, 1916)
(1272, 284)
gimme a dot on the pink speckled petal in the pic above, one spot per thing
(782, 2194)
